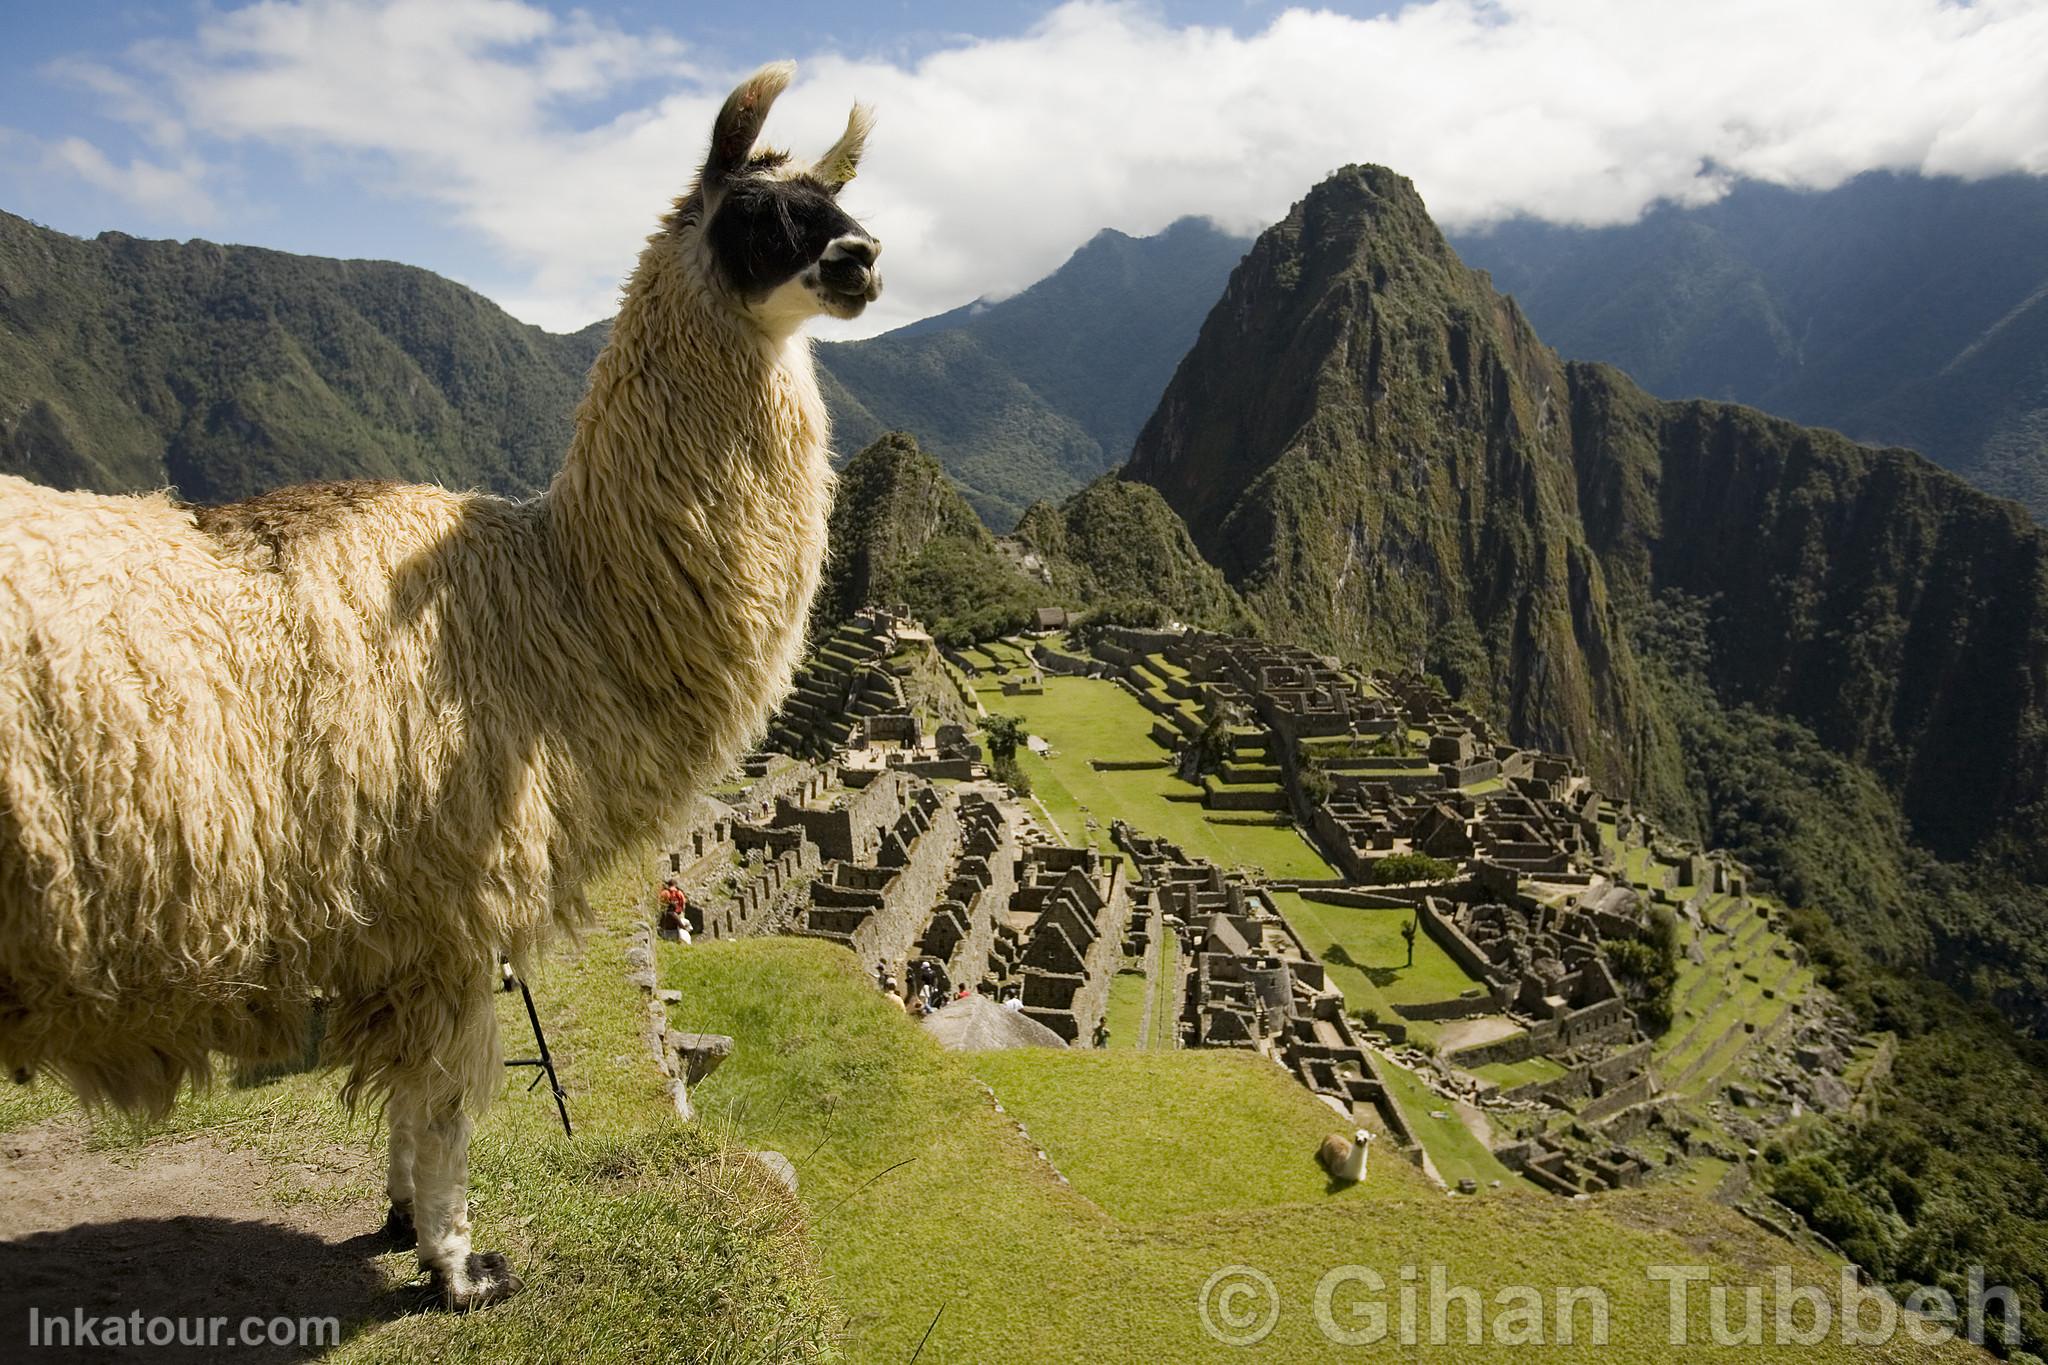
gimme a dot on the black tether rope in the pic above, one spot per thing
(545, 1063)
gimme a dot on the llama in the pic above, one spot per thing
(353, 740)
(1344, 1158)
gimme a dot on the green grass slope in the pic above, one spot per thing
(643, 1238)
(934, 1213)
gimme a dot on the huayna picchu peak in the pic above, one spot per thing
(1384, 458)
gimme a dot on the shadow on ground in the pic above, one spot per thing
(204, 1275)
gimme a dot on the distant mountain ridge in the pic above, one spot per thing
(1037, 394)
(223, 370)
(1897, 309)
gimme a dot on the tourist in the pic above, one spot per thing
(675, 902)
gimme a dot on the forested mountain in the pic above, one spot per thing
(1897, 309)
(902, 533)
(1033, 396)
(223, 371)
(1118, 547)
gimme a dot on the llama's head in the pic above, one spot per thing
(770, 227)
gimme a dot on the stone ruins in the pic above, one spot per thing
(858, 827)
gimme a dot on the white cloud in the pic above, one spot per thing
(994, 159)
(174, 188)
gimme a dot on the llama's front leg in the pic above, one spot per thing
(405, 1124)
(440, 1172)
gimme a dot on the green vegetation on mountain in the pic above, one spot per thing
(223, 371)
(1371, 445)
(1033, 396)
(1899, 614)
(1898, 309)
(902, 535)
(1939, 1171)
(1118, 546)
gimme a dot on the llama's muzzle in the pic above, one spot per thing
(848, 268)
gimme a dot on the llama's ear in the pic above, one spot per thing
(837, 166)
(739, 122)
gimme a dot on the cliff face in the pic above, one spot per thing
(1380, 454)
(1895, 611)
(1376, 449)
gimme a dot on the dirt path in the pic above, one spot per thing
(1484, 1028)
(1475, 1121)
(184, 1229)
(1152, 955)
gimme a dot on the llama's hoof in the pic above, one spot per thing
(485, 1278)
(398, 1228)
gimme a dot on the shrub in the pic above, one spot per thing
(1410, 867)
(1316, 786)
(1011, 773)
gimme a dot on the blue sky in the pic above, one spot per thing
(524, 148)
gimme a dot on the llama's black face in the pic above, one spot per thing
(786, 247)
(775, 231)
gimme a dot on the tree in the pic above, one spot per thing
(1215, 745)
(1408, 937)
(1316, 786)
(1003, 734)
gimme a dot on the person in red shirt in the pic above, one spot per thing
(674, 921)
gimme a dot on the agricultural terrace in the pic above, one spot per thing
(1089, 722)
(933, 1212)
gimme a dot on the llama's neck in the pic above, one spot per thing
(690, 519)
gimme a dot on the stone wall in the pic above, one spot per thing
(1072, 952)
(851, 829)
(1052, 661)
(763, 902)
(879, 911)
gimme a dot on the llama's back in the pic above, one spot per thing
(226, 740)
